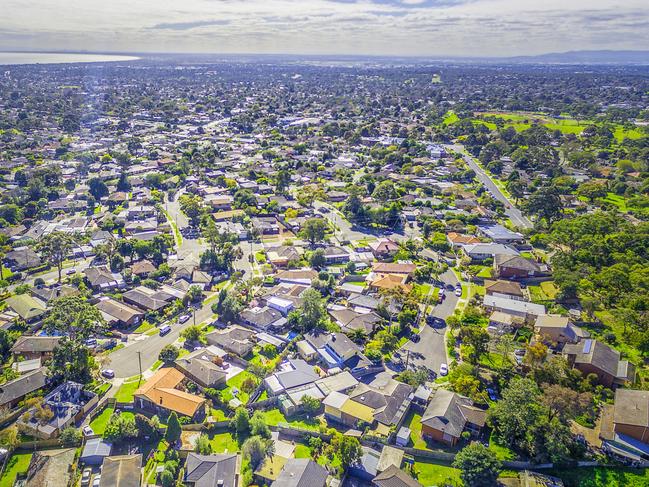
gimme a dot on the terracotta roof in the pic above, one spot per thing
(458, 239)
(161, 390)
(390, 281)
(392, 268)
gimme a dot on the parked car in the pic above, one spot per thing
(415, 337)
(69, 272)
(97, 480)
(91, 342)
(184, 318)
(87, 431)
(108, 373)
(164, 329)
(85, 476)
(443, 369)
(492, 393)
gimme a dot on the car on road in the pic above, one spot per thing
(108, 373)
(443, 369)
(442, 297)
(85, 476)
(415, 338)
(164, 329)
(87, 430)
(458, 290)
(184, 318)
(436, 322)
(69, 272)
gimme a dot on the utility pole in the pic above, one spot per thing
(407, 358)
(139, 360)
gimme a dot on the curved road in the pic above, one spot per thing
(514, 214)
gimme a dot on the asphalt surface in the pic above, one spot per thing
(514, 214)
(430, 351)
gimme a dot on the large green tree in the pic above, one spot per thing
(74, 317)
(56, 247)
(478, 464)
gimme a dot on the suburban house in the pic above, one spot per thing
(282, 255)
(119, 314)
(234, 339)
(212, 470)
(51, 468)
(101, 279)
(457, 240)
(69, 402)
(297, 276)
(301, 472)
(516, 267)
(95, 451)
(399, 268)
(204, 366)
(625, 425)
(337, 350)
(383, 248)
(292, 373)
(504, 289)
(594, 357)
(335, 255)
(350, 320)
(448, 414)
(500, 234)
(523, 309)
(265, 318)
(389, 400)
(22, 258)
(378, 282)
(27, 307)
(121, 471)
(14, 391)
(482, 251)
(393, 476)
(557, 330)
(161, 395)
(32, 347)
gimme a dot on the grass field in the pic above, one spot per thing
(126, 391)
(98, 424)
(274, 417)
(222, 442)
(601, 476)
(502, 452)
(236, 381)
(451, 118)
(435, 474)
(413, 421)
(616, 200)
(18, 463)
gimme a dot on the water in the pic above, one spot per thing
(7, 58)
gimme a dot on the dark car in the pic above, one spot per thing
(415, 337)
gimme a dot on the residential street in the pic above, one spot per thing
(514, 214)
(430, 351)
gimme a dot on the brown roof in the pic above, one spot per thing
(392, 268)
(390, 281)
(143, 267)
(393, 477)
(458, 239)
(161, 390)
(121, 471)
(503, 287)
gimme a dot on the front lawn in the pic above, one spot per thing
(98, 424)
(274, 417)
(18, 463)
(502, 452)
(126, 391)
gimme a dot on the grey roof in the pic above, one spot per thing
(595, 353)
(207, 470)
(393, 477)
(31, 344)
(301, 472)
(449, 412)
(199, 365)
(21, 386)
(302, 374)
(96, 447)
(121, 471)
(388, 400)
(631, 407)
(516, 262)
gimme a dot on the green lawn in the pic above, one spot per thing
(544, 292)
(502, 452)
(144, 327)
(616, 200)
(413, 421)
(430, 474)
(223, 441)
(98, 424)
(602, 476)
(274, 417)
(236, 381)
(125, 392)
(18, 463)
(218, 414)
(451, 118)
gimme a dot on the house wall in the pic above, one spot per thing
(436, 435)
(640, 433)
(510, 272)
(603, 378)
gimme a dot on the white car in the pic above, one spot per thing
(87, 430)
(85, 476)
(96, 481)
(183, 318)
(443, 369)
(458, 291)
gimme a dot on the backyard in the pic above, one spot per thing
(18, 463)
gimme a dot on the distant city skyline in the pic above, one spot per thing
(345, 27)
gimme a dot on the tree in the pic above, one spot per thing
(385, 191)
(415, 378)
(120, 427)
(192, 206)
(592, 190)
(313, 230)
(348, 448)
(241, 421)
(123, 184)
(9, 437)
(318, 259)
(55, 247)
(310, 405)
(202, 445)
(258, 426)
(75, 318)
(256, 449)
(70, 436)
(478, 464)
(193, 333)
(172, 435)
(311, 314)
(168, 354)
(563, 402)
(147, 427)
(97, 188)
(71, 360)
(6, 342)
(227, 307)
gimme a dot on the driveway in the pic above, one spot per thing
(430, 351)
(514, 214)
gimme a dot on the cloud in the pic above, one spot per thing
(188, 25)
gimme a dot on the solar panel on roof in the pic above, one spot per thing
(588, 344)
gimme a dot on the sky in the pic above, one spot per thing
(359, 27)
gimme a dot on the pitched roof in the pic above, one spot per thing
(390, 281)
(516, 262)
(394, 477)
(50, 468)
(449, 412)
(26, 306)
(118, 310)
(393, 268)
(121, 471)
(31, 344)
(301, 472)
(503, 287)
(631, 407)
(160, 390)
(17, 388)
(208, 470)
(595, 353)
